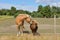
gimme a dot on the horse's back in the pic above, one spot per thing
(21, 17)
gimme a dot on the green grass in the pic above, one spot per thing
(2, 18)
(6, 20)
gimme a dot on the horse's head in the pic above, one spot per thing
(34, 26)
(28, 19)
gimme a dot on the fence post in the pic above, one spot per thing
(55, 24)
(55, 27)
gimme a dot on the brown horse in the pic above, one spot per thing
(34, 27)
(20, 22)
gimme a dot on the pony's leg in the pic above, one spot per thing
(18, 30)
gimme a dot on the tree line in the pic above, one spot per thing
(42, 12)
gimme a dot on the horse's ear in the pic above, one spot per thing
(31, 22)
(36, 23)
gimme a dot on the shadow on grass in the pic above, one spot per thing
(26, 32)
(35, 34)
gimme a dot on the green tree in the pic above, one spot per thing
(40, 11)
(54, 10)
(40, 8)
(47, 11)
(3, 11)
(0, 12)
(13, 10)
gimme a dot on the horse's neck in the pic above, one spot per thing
(31, 22)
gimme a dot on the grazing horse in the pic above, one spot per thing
(34, 27)
(20, 22)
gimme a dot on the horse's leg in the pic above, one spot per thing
(22, 27)
(18, 30)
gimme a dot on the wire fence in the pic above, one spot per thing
(45, 26)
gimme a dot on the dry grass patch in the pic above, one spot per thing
(29, 37)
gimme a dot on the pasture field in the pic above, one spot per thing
(45, 29)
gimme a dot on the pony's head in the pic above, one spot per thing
(34, 26)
